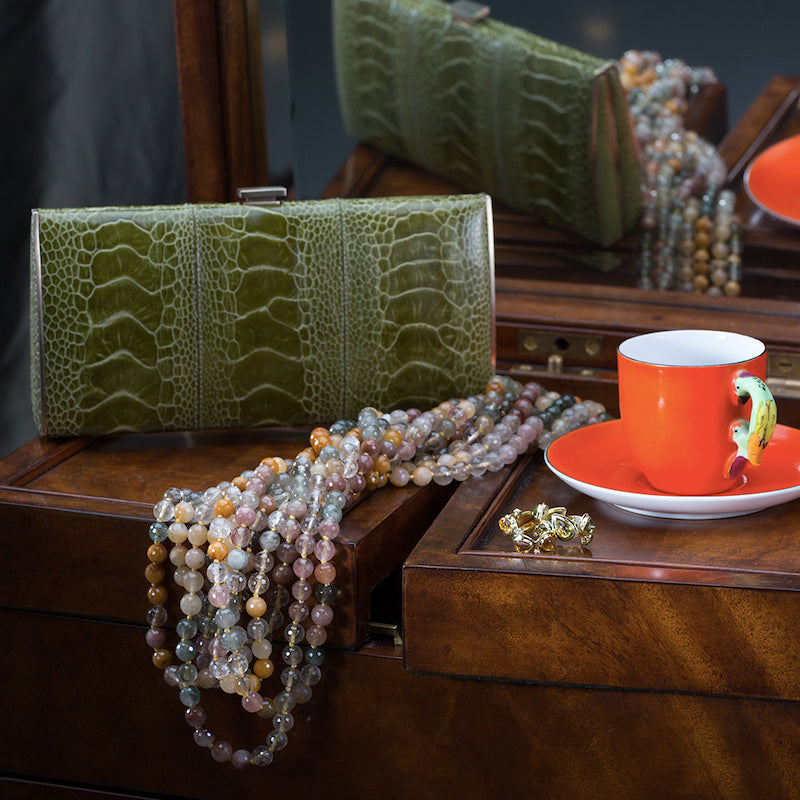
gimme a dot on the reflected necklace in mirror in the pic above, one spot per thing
(691, 239)
(253, 556)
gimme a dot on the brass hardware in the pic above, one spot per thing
(783, 374)
(555, 363)
(466, 12)
(385, 630)
(567, 345)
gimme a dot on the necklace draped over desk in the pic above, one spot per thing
(254, 555)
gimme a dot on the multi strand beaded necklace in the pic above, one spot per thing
(253, 555)
(691, 239)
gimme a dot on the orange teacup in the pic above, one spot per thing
(695, 409)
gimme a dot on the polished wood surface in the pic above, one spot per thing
(103, 717)
(708, 606)
(94, 498)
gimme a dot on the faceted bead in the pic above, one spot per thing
(252, 702)
(157, 595)
(157, 553)
(325, 573)
(221, 752)
(191, 604)
(262, 756)
(322, 615)
(195, 716)
(189, 695)
(161, 658)
(316, 636)
(263, 668)
(204, 737)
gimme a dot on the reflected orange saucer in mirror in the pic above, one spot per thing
(773, 180)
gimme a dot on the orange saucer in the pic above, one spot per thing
(773, 180)
(595, 460)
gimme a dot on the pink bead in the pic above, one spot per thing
(303, 568)
(216, 648)
(329, 528)
(325, 550)
(256, 485)
(195, 716)
(244, 516)
(282, 574)
(240, 759)
(204, 737)
(219, 595)
(155, 637)
(296, 509)
(253, 702)
(322, 615)
(335, 483)
(304, 544)
(221, 752)
(289, 528)
(265, 472)
(325, 573)
(316, 636)
(365, 462)
(298, 612)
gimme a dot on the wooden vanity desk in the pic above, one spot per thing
(662, 662)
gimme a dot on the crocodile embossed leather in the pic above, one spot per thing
(543, 127)
(190, 317)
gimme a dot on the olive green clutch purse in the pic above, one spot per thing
(219, 316)
(541, 126)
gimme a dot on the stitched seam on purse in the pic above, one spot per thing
(344, 295)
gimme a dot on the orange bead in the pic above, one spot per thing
(154, 573)
(157, 594)
(239, 482)
(263, 668)
(319, 438)
(223, 507)
(393, 436)
(382, 464)
(217, 551)
(495, 386)
(256, 606)
(157, 553)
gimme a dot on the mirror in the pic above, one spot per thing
(748, 47)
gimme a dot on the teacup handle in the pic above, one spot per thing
(751, 438)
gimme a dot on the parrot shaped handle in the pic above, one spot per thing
(752, 436)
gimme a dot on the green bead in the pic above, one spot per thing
(315, 656)
(189, 696)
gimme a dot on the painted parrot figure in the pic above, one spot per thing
(751, 438)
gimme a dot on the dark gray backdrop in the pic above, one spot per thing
(91, 115)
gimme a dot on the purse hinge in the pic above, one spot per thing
(466, 12)
(262, 195)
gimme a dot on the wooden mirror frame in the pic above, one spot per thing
(218, 51)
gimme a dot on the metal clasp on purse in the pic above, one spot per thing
(261, 195)
(466, 12)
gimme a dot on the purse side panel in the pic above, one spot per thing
(271, 322)
(420, 300)
(117, 339)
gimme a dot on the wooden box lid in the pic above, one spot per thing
(76, 514)
(708, 606)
